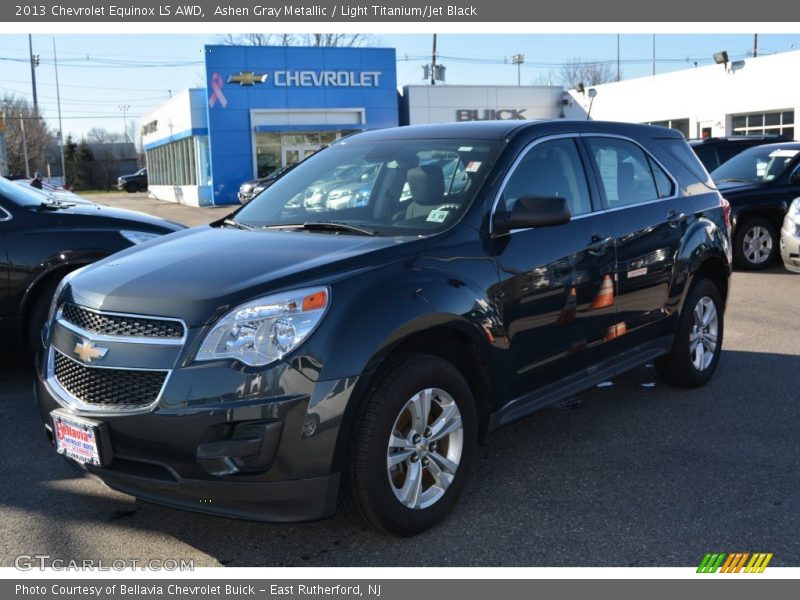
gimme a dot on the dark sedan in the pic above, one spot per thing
(760, 183)
(43, 239)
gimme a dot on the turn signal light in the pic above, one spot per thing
(315, 300)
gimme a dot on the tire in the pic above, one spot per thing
(755, 244)
(384, 497)
(687, 365)
(37, 316)
(131, 187)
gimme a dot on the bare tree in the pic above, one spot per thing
(98, 135)
(39, 140)
(328, 40)
(576, 70)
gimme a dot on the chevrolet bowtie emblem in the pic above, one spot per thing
(86, 351)
(247, 78)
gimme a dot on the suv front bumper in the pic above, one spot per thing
(790, 246)
(260, 446)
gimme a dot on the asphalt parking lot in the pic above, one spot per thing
(630, 474)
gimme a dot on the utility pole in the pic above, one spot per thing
(518, 59)
(654, 54)
(755, 45)
(34, 64)
(433, 62)
(124, 108)
(25, 146)
(618, 71)
(60, 127)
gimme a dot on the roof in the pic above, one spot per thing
(497, 130)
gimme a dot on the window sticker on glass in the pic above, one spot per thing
(465, 149)
(437, 216)
(783, 153)
(473, 166)
(607, 162)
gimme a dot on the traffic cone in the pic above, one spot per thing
(616, 330)
(605, 297)
(570, 309)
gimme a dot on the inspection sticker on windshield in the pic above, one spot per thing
(473, 166)
(437, 216)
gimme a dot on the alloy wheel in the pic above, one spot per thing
(704, 334)
(425, 448)
(757, 244)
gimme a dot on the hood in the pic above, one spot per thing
(194, 274)
(728, 187)
(117, 218)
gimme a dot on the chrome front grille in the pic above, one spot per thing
(106, 387)
(121, 325)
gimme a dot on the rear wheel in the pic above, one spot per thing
(698, 339)
(413, 445)
(755, 245)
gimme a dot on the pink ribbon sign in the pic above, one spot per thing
(216, 91)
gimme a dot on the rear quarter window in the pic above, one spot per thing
(684, 156)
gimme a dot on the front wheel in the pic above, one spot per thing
(413, 444)
(698, 338)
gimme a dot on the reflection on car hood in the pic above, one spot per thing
(195, 274)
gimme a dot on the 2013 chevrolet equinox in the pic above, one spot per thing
(298, 353)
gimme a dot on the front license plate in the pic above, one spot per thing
(76, 438)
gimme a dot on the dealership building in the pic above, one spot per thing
(743, 97)
(264, 108)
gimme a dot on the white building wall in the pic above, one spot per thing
(185, 111)
(707, 96)
(439, 104)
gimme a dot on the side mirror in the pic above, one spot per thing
(533, 211)
(795, 176)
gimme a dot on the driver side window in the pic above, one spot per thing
(550, 169)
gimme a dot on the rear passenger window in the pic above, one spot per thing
(550, 169)
(627, 174)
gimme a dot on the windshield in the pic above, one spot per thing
(394, 187)
(21, 194)
(756, 165)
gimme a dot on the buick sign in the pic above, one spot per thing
(490, 114)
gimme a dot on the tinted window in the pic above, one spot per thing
(707, 155)
(625, 171)
(681, 151)
(550, 169)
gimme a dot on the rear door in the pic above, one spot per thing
(649, 217)
(556, 283)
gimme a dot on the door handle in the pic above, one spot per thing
(675, 218)
(598, 244)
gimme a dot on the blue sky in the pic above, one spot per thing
(93, 90)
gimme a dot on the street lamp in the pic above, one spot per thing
(125, 108)
(518, 59)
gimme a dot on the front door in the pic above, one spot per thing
(556, 283)
(291, 155)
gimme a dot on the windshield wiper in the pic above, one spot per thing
(735, 180)
(237, 224)
(324, 226)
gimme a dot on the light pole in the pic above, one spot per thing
(124, 108)
(518, 59)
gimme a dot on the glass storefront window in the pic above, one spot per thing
(681, 125)
(775, 122)
(275, 150)
(176, 163)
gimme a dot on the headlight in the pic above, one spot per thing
(139, 237)
(264, 330)
(246, 187)
(54, 302)
(794, 215)
(258, 189)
